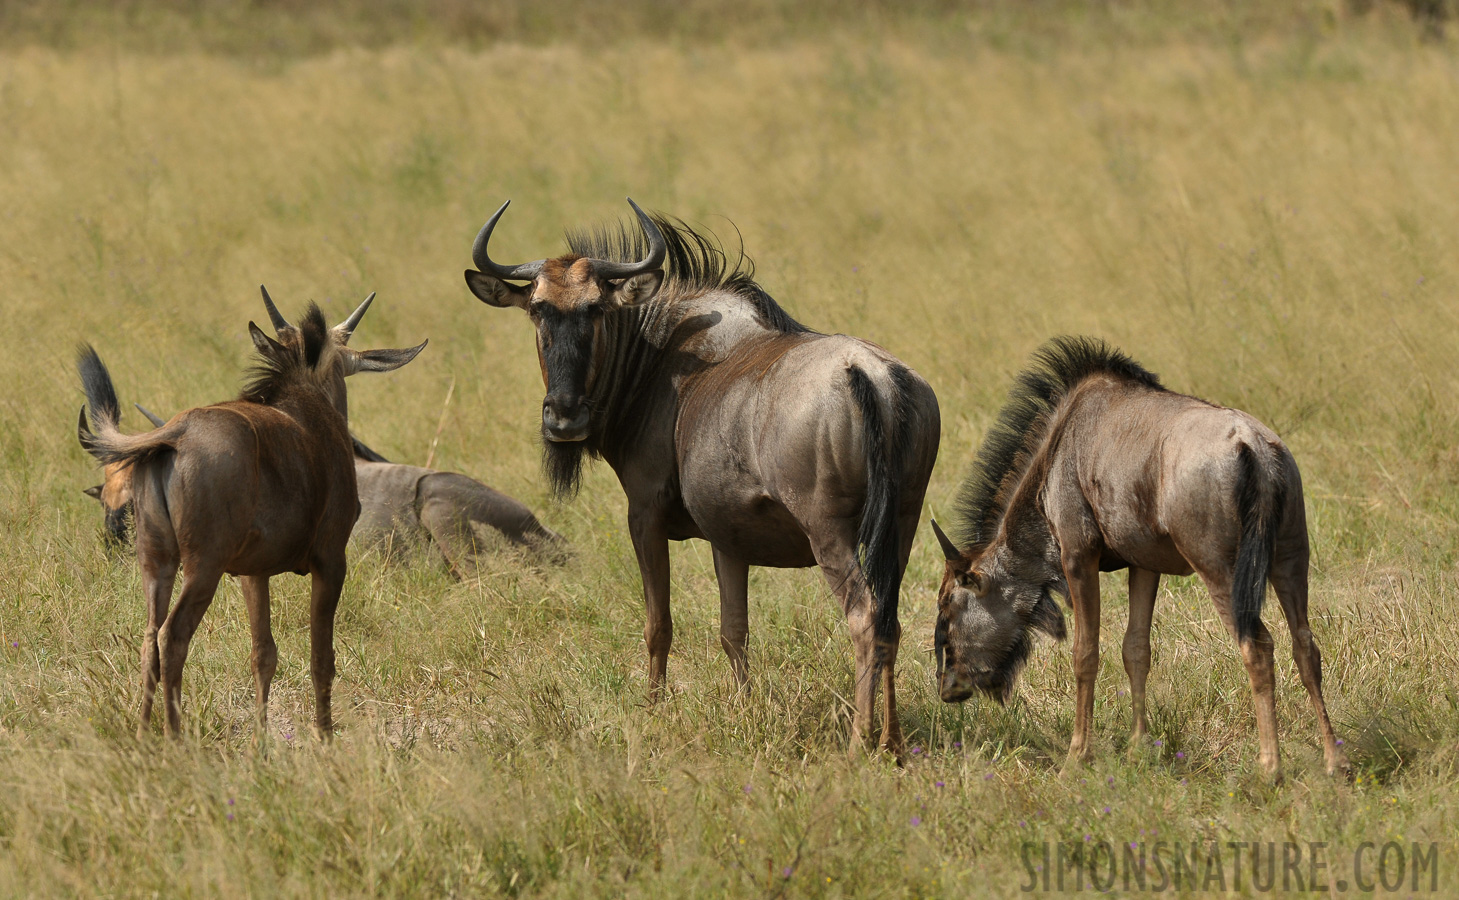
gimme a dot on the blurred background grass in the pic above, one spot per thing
(1258, 201)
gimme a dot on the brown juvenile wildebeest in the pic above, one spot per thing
(404, 505)
(1094, 466)
(254, 487)
(727, 420)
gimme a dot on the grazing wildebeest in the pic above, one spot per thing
(727, 420)
(1094, 466)
(254, 487)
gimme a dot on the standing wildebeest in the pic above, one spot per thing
(727, 420)
(402, 504)
(1094, 466)
(254, 487)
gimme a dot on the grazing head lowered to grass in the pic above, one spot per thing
(727, 420)
(253, 487)
(1093, 466)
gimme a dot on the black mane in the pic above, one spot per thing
(273, 372)
(1056, 367)
(695, 263)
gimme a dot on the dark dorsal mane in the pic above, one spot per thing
(294, 360)
(1056, 368)
(695, 263)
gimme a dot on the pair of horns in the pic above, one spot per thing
(342, 331)
(949, 549)
(657, 250)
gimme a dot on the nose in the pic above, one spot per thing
(954, 687)
(565, 418)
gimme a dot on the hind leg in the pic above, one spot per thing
(157, 588)
(871, 658)
(733, 576)
(1289, 579)
(1256, 654)
(175, 636)
(325, 587)
(265, 656)
(1143, 586)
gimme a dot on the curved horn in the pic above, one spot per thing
(156, 420)
(657, 250)
(523, 272)
(949, 549)
(346, 328)
(281, 324)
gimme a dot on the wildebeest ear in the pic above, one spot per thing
(265, 344)
(1048, 617)
(381, 360)
(93, 492)
(638, 289)
(494, 292)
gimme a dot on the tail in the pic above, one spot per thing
(108, 444)
(878, 540)
(1260, 499)
(101, 394)
(365, 453)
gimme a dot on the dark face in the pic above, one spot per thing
(115, 497)
(985, 625)
(567, 303)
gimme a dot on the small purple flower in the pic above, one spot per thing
(1185, 781)
(1180, 754)
(1087, 837)
(1022, 823)
(230, 817)
(787, 871)
(288, 735)
(957, 745)
(1132, 845)
(1111, 779)
(230, 801)
(747, 788)
(1160, 743)
(916, 751)
(916, 820)
(988, 777)
(939, 784)
(1106, 810)
(1339, 740)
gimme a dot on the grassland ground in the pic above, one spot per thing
(1269, 223)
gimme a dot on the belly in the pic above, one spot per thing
(756, 529)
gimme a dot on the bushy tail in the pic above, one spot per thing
(108, 444)
(878, 540)
(1260, 499)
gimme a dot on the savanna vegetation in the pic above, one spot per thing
(1258, 201)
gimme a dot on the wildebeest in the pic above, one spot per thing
(1094, 466)
(727, 420)
(253, 487)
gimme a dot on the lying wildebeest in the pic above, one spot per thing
(727, 420)
(1094, 466)
(254, 487)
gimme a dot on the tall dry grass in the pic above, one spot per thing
(1267, 223)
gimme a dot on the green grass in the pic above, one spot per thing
(1268, 222)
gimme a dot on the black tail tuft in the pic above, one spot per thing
(365, 453)
(878, 540)
(1259, 503)
(101, 394)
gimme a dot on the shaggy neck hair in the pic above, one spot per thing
(293, 359)
(1010, 445)
(694, 264)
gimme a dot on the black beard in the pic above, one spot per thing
(562, 461)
